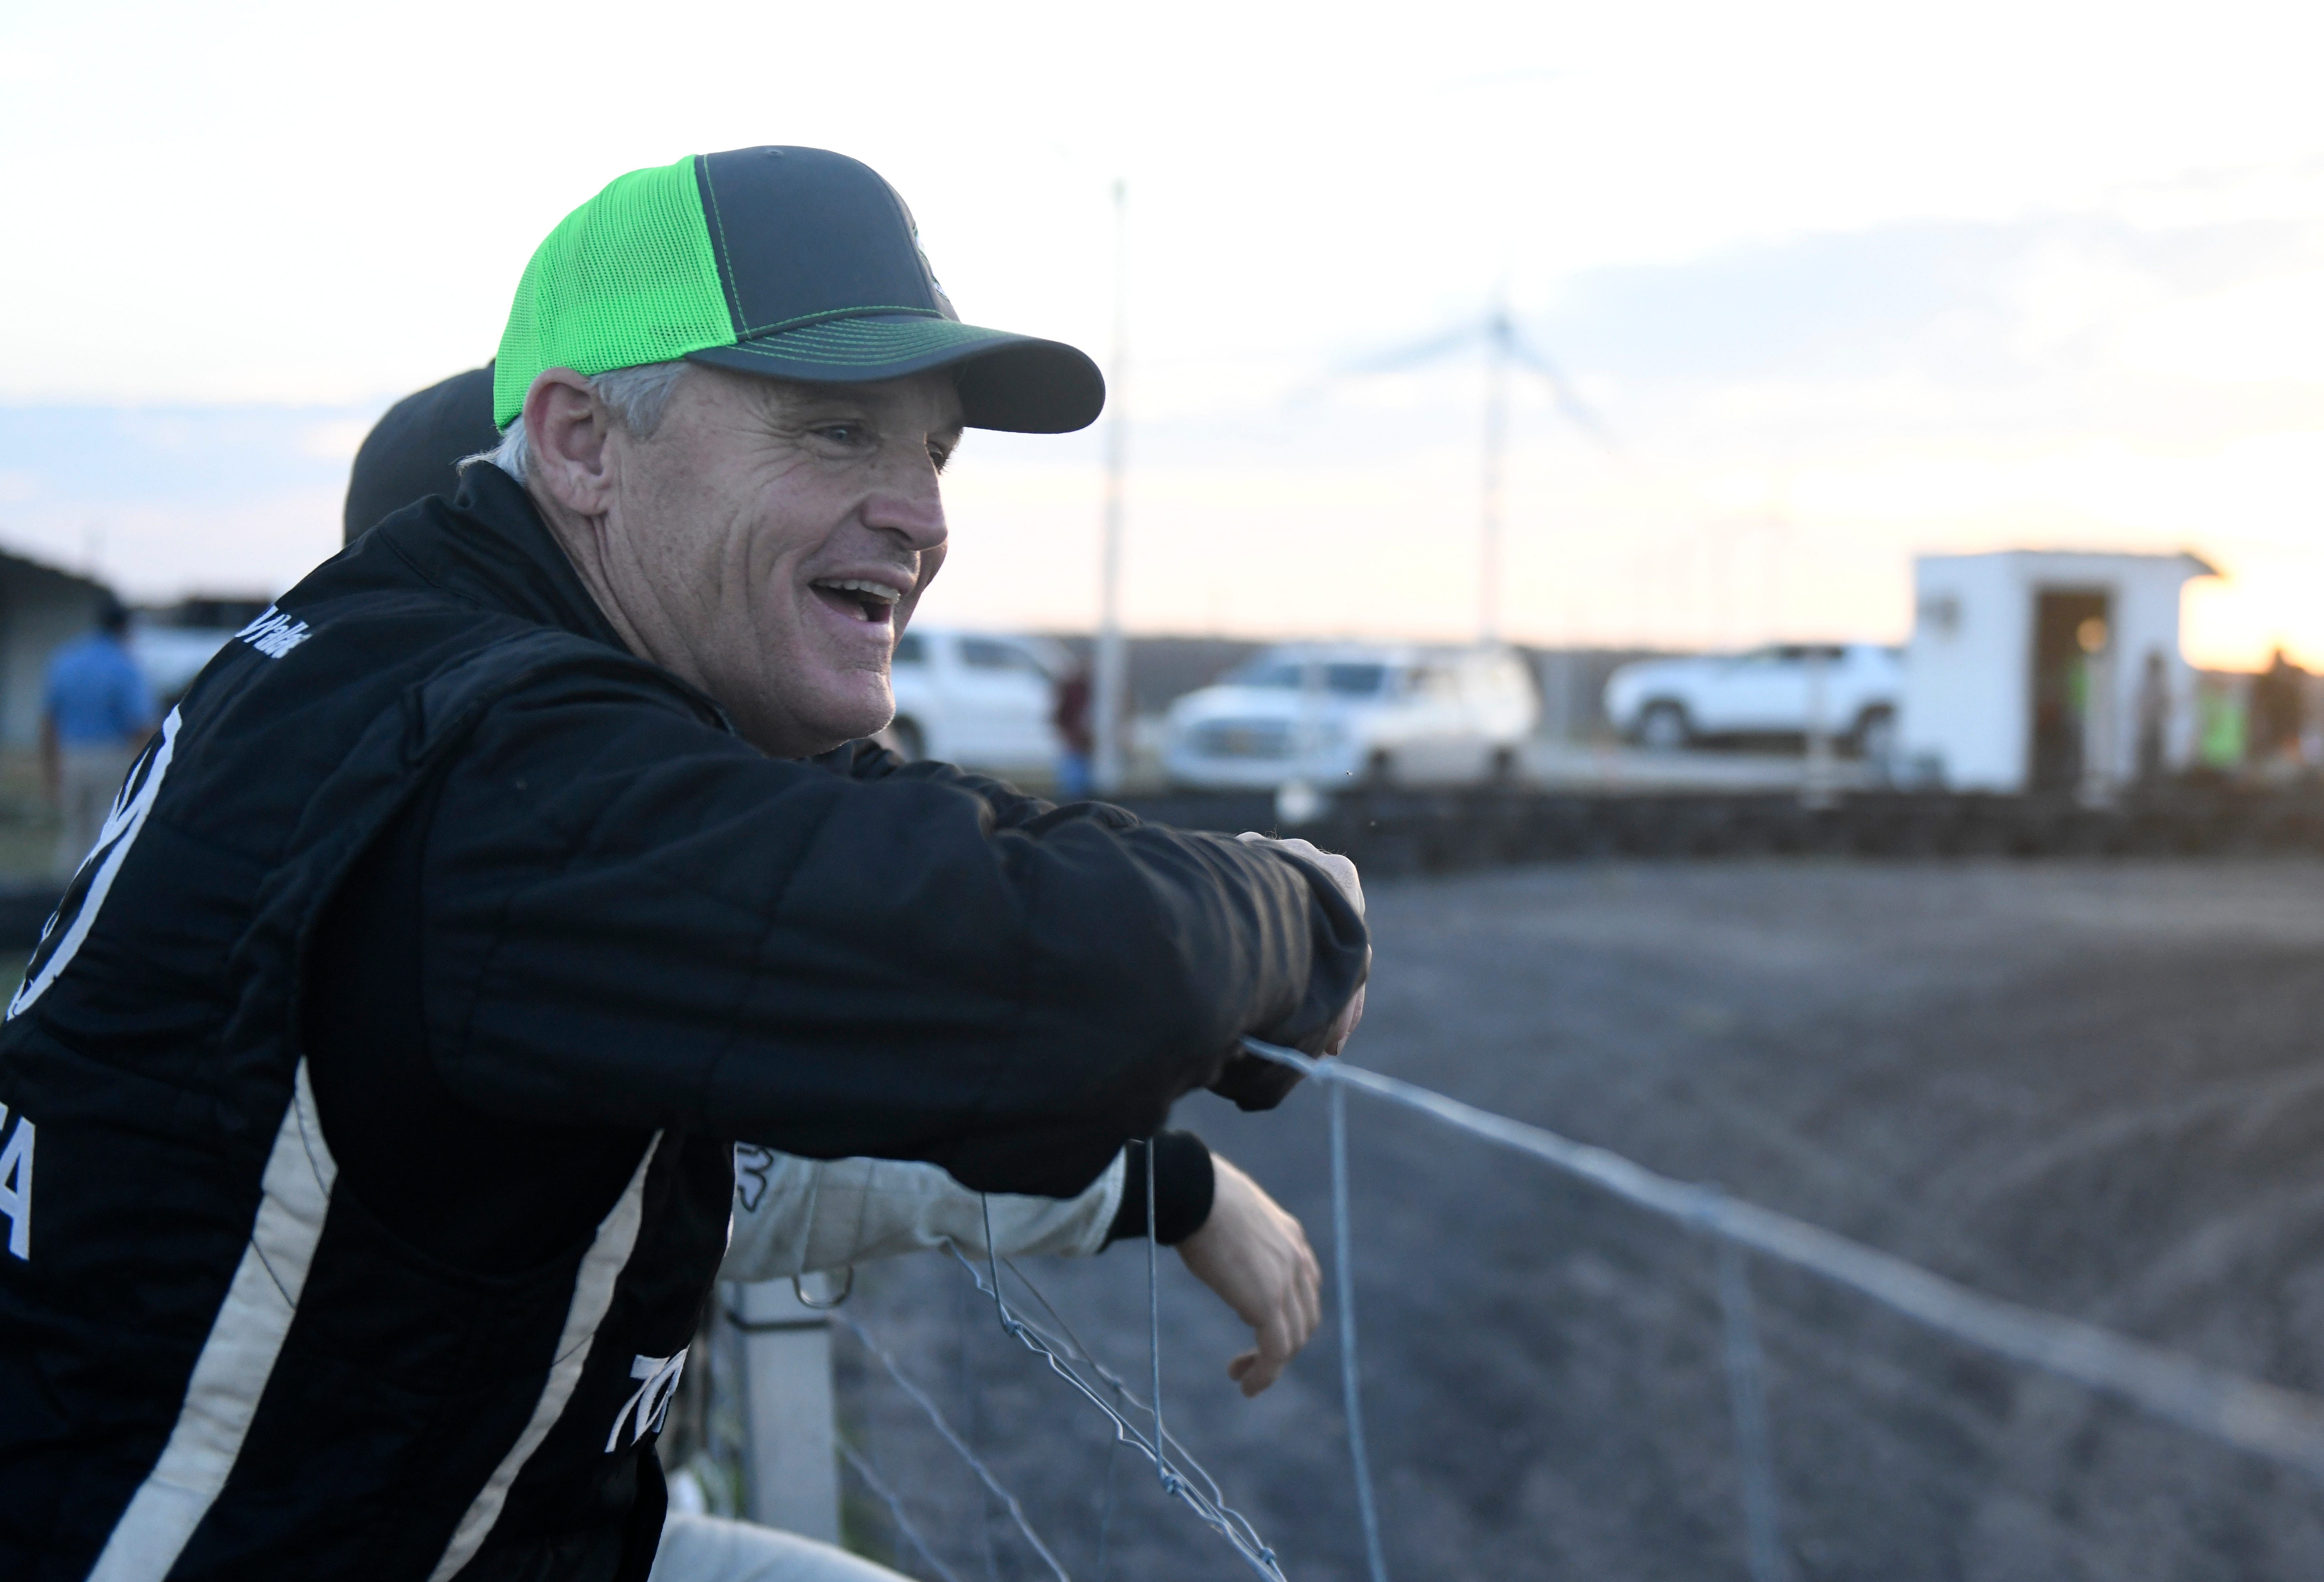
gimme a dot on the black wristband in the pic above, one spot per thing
(1182, 1186)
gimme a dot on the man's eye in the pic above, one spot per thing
(842, 433)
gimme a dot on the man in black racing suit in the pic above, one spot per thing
(381, 1262)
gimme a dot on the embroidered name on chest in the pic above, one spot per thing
(274, 634)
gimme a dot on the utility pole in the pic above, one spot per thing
(1503, 346)
(1109, 685)
(1816, 789)
(1499, 333)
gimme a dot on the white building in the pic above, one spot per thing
(2048, 669)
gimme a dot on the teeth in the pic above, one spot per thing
(879, 590)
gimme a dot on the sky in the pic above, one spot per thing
(1843, 283)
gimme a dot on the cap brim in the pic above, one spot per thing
(1009, 382)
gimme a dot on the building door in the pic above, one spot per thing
(2069, 635)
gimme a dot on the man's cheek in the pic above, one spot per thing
(931, 562)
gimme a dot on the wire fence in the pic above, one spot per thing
(2262, 1420)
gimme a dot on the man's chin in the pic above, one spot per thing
(849, 715)
(795, 716)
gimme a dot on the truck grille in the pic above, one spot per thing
(1243, 738)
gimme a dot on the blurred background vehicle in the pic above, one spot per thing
(171, 643)
(978, 700)
(1765, 692)
(1341, 712)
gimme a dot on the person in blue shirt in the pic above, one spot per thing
(96, 713)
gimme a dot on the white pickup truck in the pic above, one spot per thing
(983, 700)
(1771, 692)
(1341, 713)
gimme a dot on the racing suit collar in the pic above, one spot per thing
(488, 547)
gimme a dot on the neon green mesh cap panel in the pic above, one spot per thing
(778, 262)
(627, 278)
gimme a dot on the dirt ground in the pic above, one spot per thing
(2096, 1088)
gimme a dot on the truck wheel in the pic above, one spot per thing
(1663, 728)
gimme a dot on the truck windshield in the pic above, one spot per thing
(1347, 681)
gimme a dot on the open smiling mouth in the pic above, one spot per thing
(859, 598)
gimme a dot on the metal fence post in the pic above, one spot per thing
(791, 1469)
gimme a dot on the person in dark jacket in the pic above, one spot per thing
(1070, 717)
(794, 1216)
(416, 449)
(387, 1056)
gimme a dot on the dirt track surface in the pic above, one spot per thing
(2093, 1087)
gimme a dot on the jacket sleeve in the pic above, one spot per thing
(794, 1216)
(633, 919)
(1011, 808)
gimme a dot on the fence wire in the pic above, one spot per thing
(2262, 1419)
(1747, 1390)
(869, 1474)
(960, 1447)
(2281, 1425)
(1182, 1477)
(1351, 1400)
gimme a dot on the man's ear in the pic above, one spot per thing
(572, 460)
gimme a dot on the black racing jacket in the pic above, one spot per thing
(250, 1325)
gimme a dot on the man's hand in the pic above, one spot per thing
(1342, 873)
(1336, 867)
(1256, 1258)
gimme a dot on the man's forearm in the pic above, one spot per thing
(832, 967)
(794, 1216)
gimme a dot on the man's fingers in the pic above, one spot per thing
(1257, 1257)
(1283, 1335)
(1278, 1344)
(1344, 1027)
(1245, 1370)
(1337, 868)
(1273, 1356)
(1304, 1299)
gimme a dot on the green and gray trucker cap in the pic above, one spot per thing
(793, 263)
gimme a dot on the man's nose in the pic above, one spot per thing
(913, 512)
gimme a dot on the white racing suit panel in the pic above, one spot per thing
(794, 1216)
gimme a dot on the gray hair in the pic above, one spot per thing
(637, 397)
